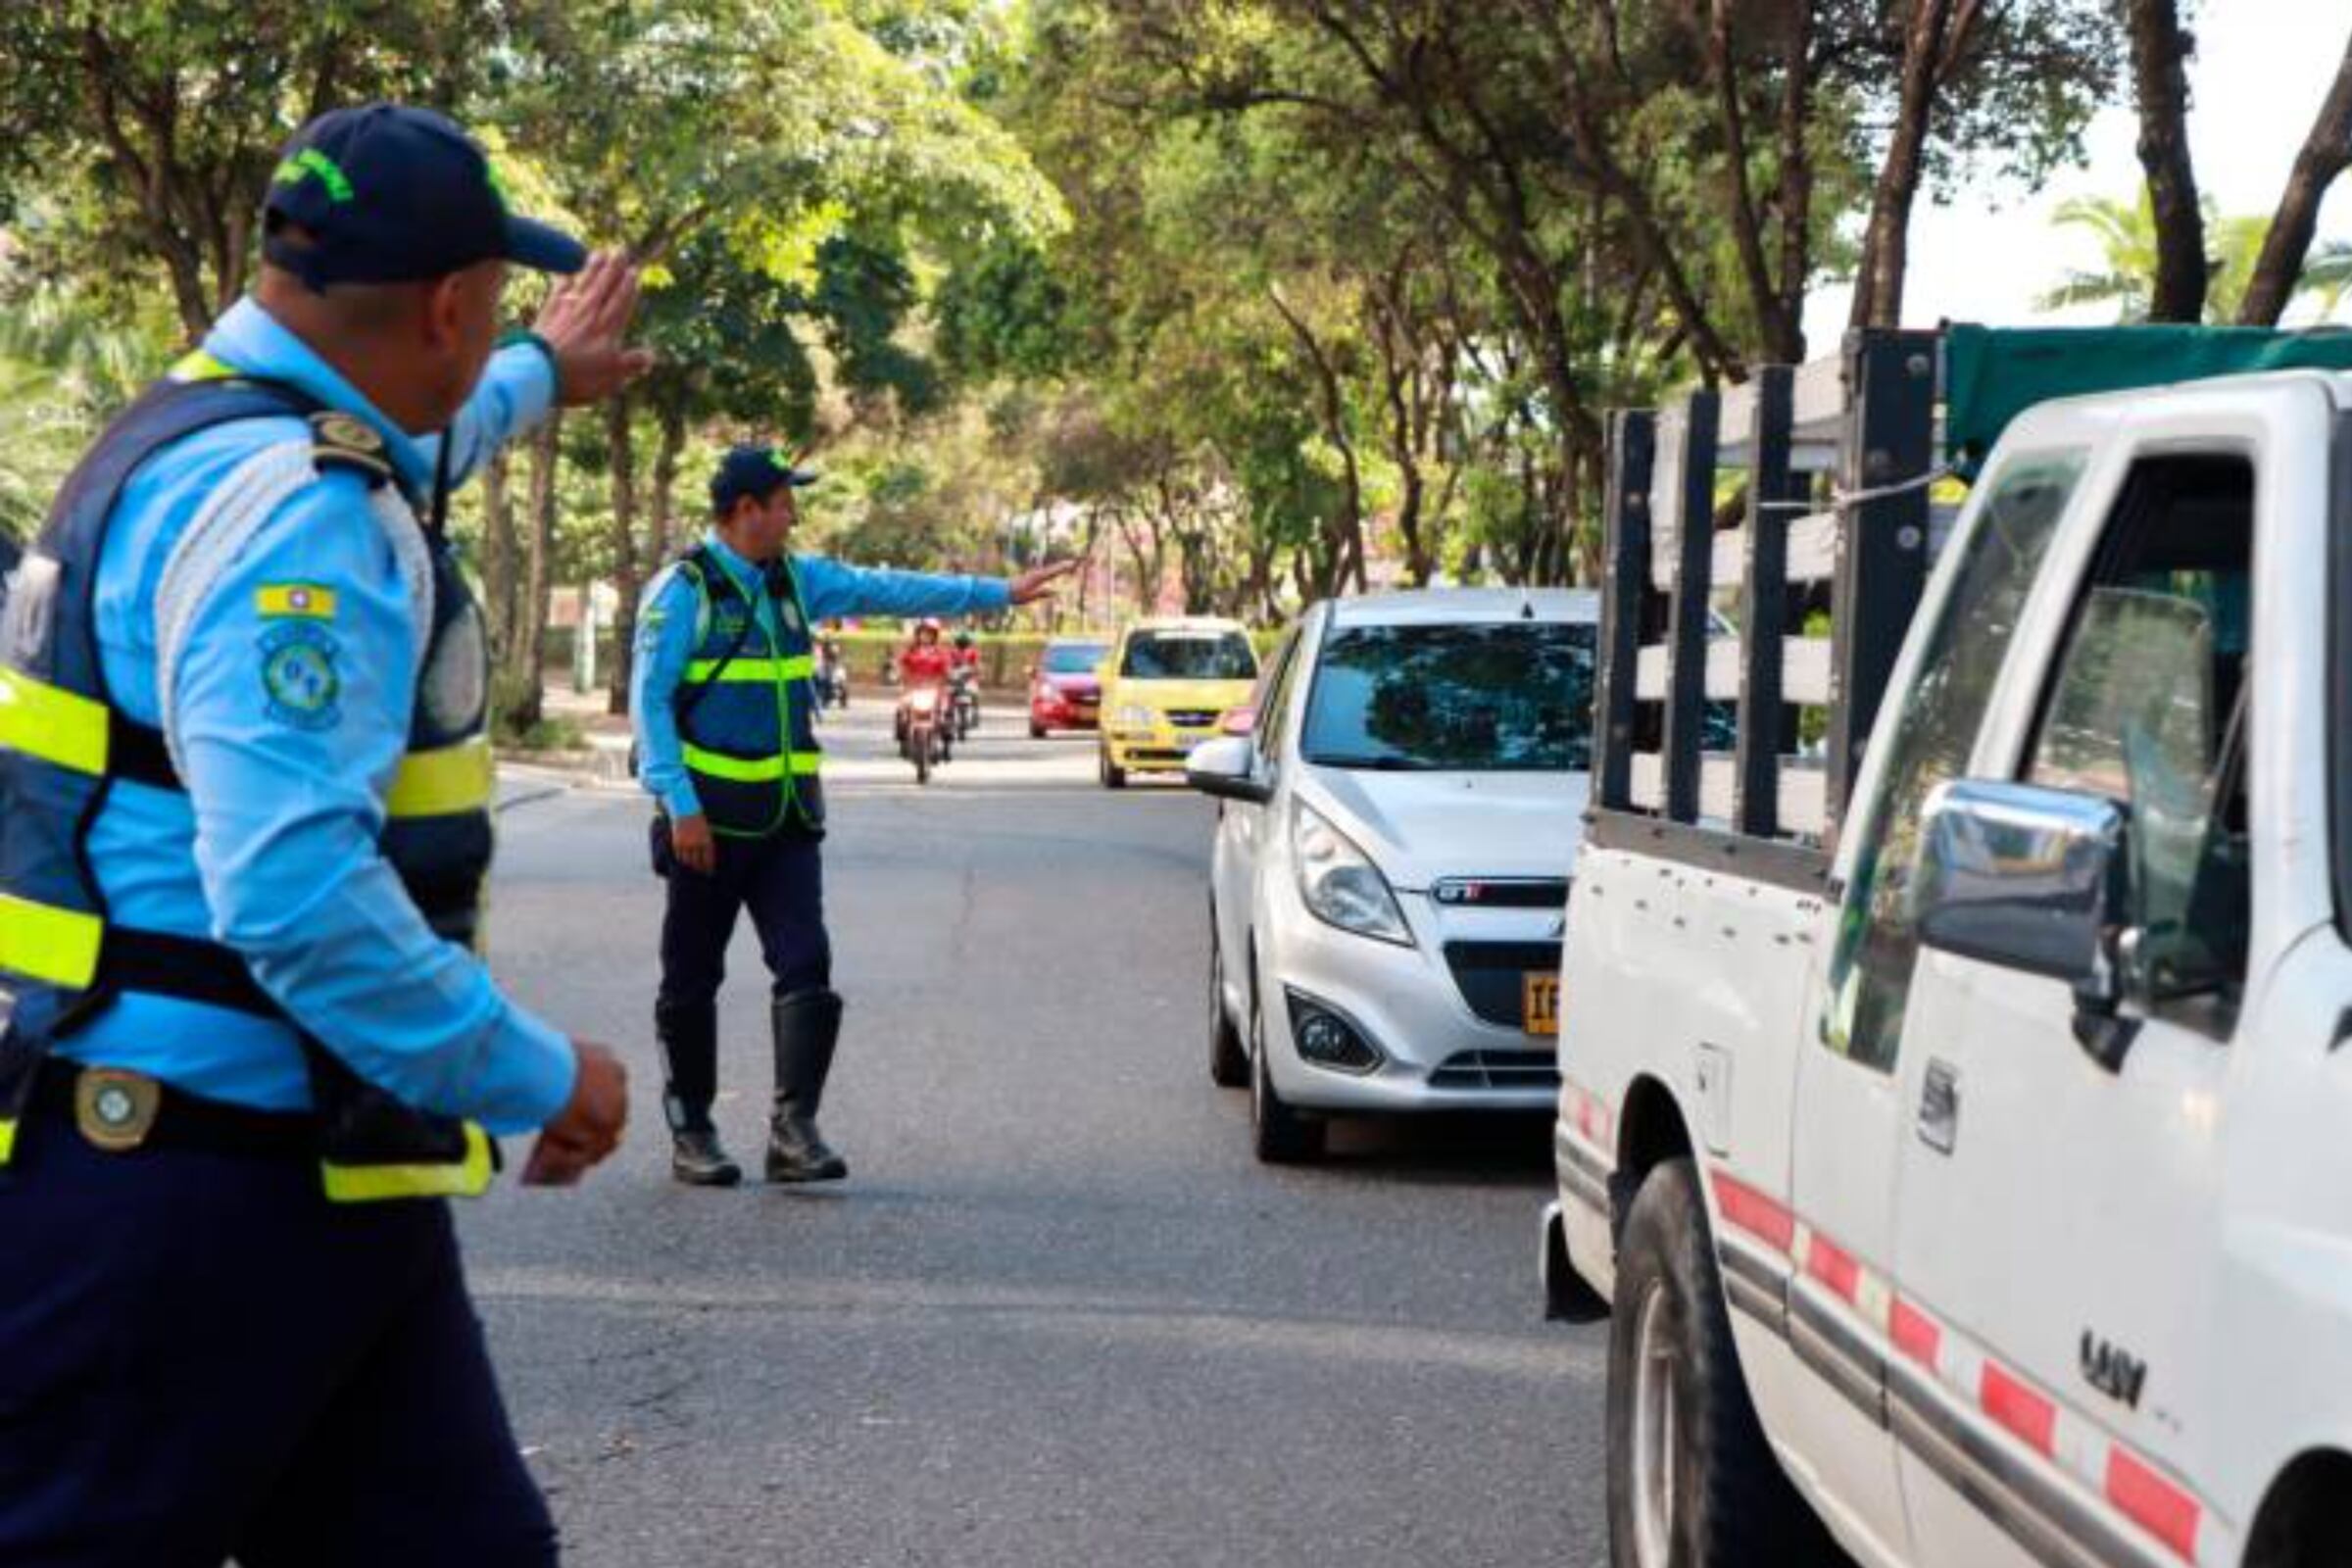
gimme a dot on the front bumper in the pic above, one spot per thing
(1159, 749)
(1437, 1055)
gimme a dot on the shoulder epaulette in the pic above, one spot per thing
(342, 441)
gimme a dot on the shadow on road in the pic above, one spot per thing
(1457, 1151)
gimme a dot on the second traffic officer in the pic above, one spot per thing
(723, 700)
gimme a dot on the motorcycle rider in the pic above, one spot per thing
(923, 663)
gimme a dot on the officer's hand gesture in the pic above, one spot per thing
(586, 323)
(1038, 581)
(589, 1126)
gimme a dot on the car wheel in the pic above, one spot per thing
(1114, 777)
(1228, 1052)
(1692, 1481)
(1037, 731)
(1279, 1134)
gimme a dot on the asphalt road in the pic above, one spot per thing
(1058, 1314)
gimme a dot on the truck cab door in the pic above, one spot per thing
(1851, 1117)
(2057, 1262)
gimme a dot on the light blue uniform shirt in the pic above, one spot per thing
(273, 850)
(667, 631)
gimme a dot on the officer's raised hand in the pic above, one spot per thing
(589, 1126)
(585, 324)
(1038, 582)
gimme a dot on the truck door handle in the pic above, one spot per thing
(1939, 1106)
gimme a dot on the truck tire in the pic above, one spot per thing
(1692, 1481)
(1228, 1053)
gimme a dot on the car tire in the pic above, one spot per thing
(1692, 1481)
(1037, 731)
(1114, 777)
(1228, 1052)
(1278, 1134)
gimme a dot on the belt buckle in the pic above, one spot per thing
(116, 1108)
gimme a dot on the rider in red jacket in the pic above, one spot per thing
(926, 662)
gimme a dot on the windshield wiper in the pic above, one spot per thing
(1373, 765)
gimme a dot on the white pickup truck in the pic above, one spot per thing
(1956, 1108)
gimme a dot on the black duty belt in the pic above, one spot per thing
(120, 1112)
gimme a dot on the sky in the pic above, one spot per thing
(2261, 70)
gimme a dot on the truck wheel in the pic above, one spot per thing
(1227, 1055)
(1278, 1134)
(1692, 1483)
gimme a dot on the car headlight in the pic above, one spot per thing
(1135, 716)
(1340, 883)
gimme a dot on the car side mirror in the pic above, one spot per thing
(1227, 768)
(2037, 880)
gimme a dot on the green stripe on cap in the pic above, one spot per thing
(311, 160)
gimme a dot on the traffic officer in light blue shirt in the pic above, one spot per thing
(244, 823)
(724, 701)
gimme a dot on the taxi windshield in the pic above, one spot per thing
(1189, 655)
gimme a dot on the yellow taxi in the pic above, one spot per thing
(1166, 686)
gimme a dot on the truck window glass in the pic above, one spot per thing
(2148, 707)
(1928, 744)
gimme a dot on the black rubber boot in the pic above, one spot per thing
(697, 1159)
(807, 1025)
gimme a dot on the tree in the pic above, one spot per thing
(2325, 153)
(177, 110)
(2159, 71)
(2127, 276)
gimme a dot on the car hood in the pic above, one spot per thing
(1217, 693)
(1421, 827)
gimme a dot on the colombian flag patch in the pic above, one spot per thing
(299, 600)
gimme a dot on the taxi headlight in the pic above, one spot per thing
(1135, 716)
(1338, 882)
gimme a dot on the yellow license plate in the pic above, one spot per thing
(1540, 1011)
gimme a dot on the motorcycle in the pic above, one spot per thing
(832, 679)
(963, 688)
(923, 738)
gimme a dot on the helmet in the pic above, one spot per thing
(964, 639)
(929, 623)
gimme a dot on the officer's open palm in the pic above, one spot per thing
(589, 1126)
(1039, 581)
(586, 323)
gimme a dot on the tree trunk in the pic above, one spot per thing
(627, 578)
(498, 557)
(1348, 543)
(1933, 34)
(669, 448)
(530, 654)
(2325, 153)
(2160, 83)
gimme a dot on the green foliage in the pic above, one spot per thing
(2126, 277)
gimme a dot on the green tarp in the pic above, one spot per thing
(1991, 375)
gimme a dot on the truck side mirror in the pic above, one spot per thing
(2037, 880)
(1227, 768)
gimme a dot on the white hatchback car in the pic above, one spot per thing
(1391, 878)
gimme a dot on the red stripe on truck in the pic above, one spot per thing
(1914, 1333)
(1754, 1212)
(2153, 1504)
(1832, 1266)
(2022, 1408)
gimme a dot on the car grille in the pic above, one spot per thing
(1192, 718)
(1497, 1069)
(1493, 975)
(1501, 893)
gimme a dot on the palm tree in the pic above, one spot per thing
(2126, 233)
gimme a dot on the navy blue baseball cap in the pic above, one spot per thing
(389, 194)
(755, 472)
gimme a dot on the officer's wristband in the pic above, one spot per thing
(523, 336)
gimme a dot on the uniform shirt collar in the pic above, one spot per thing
(250, 339)
(745, 571)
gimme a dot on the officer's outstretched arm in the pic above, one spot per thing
(287, 711)
(829, 589)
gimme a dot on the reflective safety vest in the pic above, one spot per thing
(745, 709)
(63, 743)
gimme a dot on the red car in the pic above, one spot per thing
(1064, 692)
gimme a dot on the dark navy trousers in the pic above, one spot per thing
(780, 880)
(201, 1358)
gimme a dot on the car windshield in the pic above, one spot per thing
(1514, 696)
(1073, 659)
(1189, 655)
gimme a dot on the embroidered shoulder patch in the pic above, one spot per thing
(299, 684)
(306, 601)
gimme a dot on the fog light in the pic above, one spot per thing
(1326, 1039)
